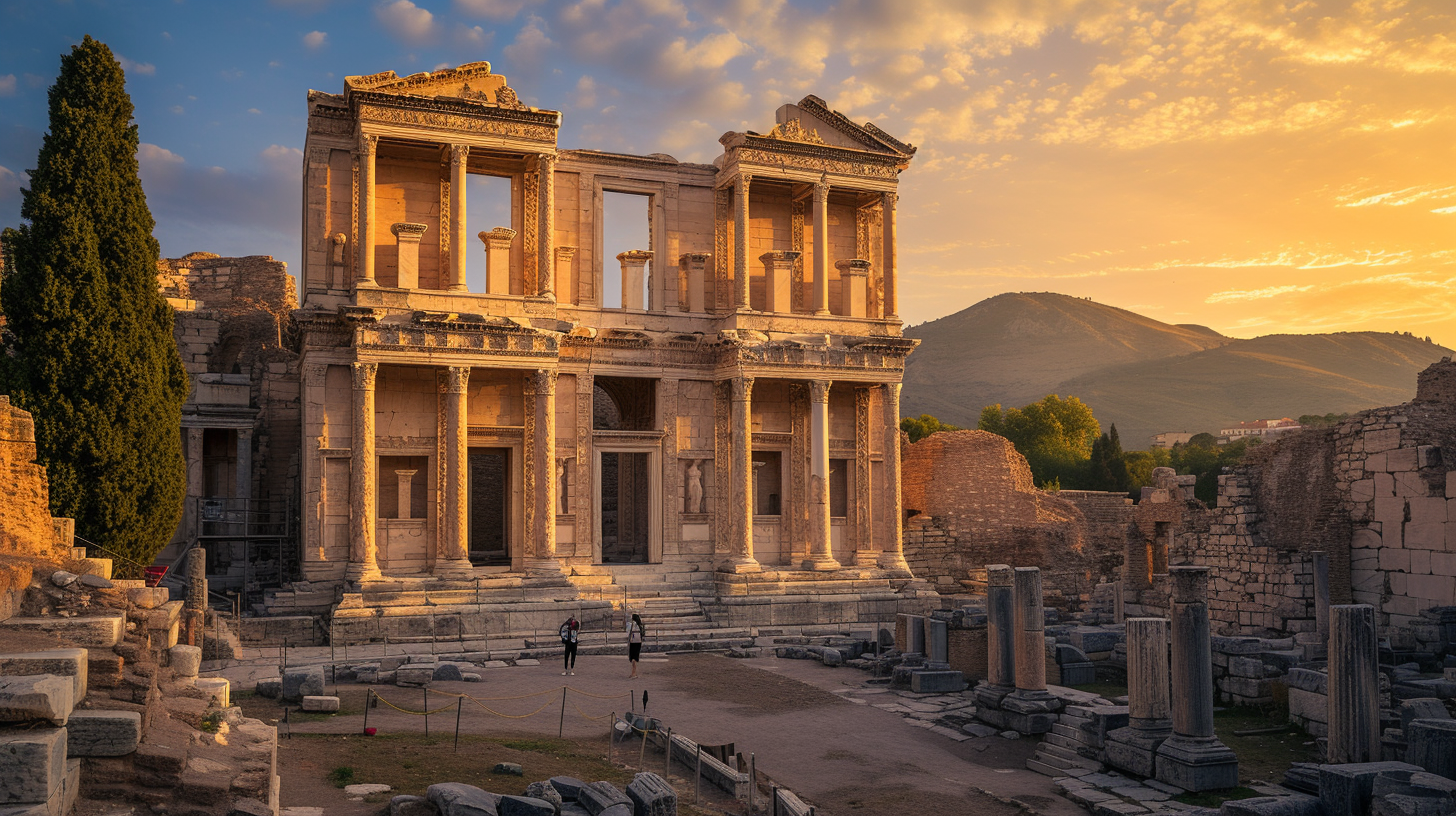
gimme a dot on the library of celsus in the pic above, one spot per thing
(494, 406)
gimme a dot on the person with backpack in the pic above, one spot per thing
(570, 632)
(636, 633)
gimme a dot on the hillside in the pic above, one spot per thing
(1019, 347)
(1144, 375)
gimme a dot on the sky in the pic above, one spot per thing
(1255, 166)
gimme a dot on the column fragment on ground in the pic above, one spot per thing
(1149, 699)
(1354, 687)
(1193, 758)
(363, 498)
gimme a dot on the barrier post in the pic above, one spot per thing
(667, 758)
(698, 782)
(773, 792)
(368, 700)
(427, 711)
(752, 781)
(459, 703)
(612, 741)
(642, 754)
(561, 726)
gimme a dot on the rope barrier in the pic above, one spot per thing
(545, 706)
(411, 711)
(588, 716)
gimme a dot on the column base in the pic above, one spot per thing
(454, 568)
(541, 567)
(1031, 701)
(868, 559)
(355, 573)
(1135, 750)
(741, 564)
(458, 287)
(821, 564)
(990, 695)
(895, 562)
(1197, 763)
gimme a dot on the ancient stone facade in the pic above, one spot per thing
(730, 418)
(26, 525)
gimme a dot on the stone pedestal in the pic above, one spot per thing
(937, 644)
(565, 293)
(498, 259)
(1193, 758)
(778, 267)
(634, 272)
(1354, 686)
(1000, 644)
(407, 245)
(915, 634)
(1149, 699)
(693, 267)
(854, 276)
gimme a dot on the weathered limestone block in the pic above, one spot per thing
(93, 733)
(1345, 789)
(89, 631)
(598, 796)
(1431, 744)
(36, 697)
(32, 764)
(302, 682)
(72, 663)
(937, 682)
(270, 687)
(1421, 708)
(568, 786)
(1354, 689)
(525, 806)
(412, 806)
(414, 675)
(1297, 804)
(186, 660)
(321, 703)
(457, 799)
(652, 796)
(103, 668)
(148, 597)
(217, 689)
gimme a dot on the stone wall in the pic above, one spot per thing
(26, 526)
(1106, 516)
(972, 502)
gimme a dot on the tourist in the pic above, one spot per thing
(570, 631)
(636, 630)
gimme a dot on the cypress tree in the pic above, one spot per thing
(88, 345)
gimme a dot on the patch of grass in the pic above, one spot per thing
(538, 745)
(341, 776)
(1263, 757)
(211, 722)
(1212, 799)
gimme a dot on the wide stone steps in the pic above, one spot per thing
(1056, 760)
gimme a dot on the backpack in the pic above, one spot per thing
(566, 632)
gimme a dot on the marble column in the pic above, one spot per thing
(1193, 758)
(190, 523)
(407, 254)
(498, 259)
(1149, 699)
(1030, 709)
(888, 264)
(363, 492)
(778, 269)
(368, 146)
(243, 489)
(459, 156)
(634, 269)
(741, 226)
(693, 267)
(1354, 686)
(741, 505)
(541, 473)
(546, 242)
(862, 513)
(893, 557)
(454, 557)
(1000, 637)
(821, 248)
(564, 290)
(821, 552)
(195, 603)
(854, 276)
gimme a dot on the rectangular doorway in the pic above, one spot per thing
(490, 494)
(626, 507)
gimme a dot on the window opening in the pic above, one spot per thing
(487, 206)
(839, 488)
(393, 504)
(219, 462)
(623, 404)
(626, 507)
(488, 471)
(767, 483)
(625, 226)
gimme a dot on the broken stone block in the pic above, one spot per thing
(598, 796)
(365, 789)
(412, 806)
(1431, 744)
(36, 697)
(937, 682)
(270, 687)
(147, 597)
(61, 578)
(302, 682)
(509, 768)
(568, 786)
(414, 675)
(1344, 790)
(217, 689)
(249, 807)
(458, 799)
(94, 581)
(93, 733)
(525, 806)
(321, 703)
(1421, 708)
(652, 796)
(186, 660)
(89, 631)
(546, 792)
(32, 764)
(447, 671)
(72, 663)
(1297, 804)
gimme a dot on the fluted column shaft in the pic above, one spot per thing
(541, 476)
(459, 156)
(454, 554)
(1354, 686)
(740, 241)
(742, 503)
(1149, 695)
(821, 248)
(1000, 627)
(890, 268)
(821, 551)
(893, 557)
(368, 146)
(363, 494)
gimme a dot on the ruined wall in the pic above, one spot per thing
(1105, 516)
(26, 526)
(972, 502)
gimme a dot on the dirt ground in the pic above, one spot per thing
(842, 758)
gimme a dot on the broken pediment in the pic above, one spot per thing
(813, 122)
(473, 82)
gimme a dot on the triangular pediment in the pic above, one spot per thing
(473, 82)
(814, 122)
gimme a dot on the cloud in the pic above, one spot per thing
(150, 154)
(498, 10)
(141, 68)
(530, 45)
(708, 54)
(282, 153)
(7, 85)
(315, 39)
(586, 92)
(1254, 294)
(406, 20)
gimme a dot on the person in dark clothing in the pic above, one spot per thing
(570, 632)
(636, 633)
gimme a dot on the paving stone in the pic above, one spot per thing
(94, 733)
(652, 796)
(366, 789)
(458, 799)
(32, 764)
(528, 661)
(320, 703)
(36, 697)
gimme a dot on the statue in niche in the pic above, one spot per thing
(695, 487)
(563, 500)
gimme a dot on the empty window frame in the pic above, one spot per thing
(402, 481)
(624, 404)
(626, 226)
(487, 206)
(839, 488)
(768, 478)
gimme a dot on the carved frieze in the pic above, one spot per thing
(794, 131)
(765, 155)
(442, 115)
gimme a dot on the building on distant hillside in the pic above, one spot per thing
(1168, 439)
(1260, 427)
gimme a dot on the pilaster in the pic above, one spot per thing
(888, 249)
(741, 241)
(862, 514)
(547, 240)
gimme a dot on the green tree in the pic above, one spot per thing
(1107, 465)
(924, 425)
(1054, 434)
(88, 346)
(1322, 420)
(1140, 466)
(1203, 457)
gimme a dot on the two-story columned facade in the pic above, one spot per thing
(715, 410)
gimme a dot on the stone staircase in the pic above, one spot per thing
(1062, 750)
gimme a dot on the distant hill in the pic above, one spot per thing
(1144, 375)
